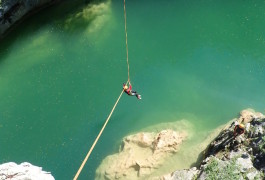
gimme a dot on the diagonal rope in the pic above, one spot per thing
(127, 52)
(107, 120)
(96, 140)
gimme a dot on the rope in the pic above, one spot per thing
(127, 52)
(107, 120)
(96, 140)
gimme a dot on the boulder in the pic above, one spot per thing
(23, 171)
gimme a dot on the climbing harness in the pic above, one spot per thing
(107, 120)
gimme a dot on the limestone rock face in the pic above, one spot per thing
(237, 157)
(248, 115)
(140, 155)
(186, 174)
(23, 171)
(12, 11)
(229, 157)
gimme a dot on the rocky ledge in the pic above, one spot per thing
(229, 157)
(23, 171)
(11, 11)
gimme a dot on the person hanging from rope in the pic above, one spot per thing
(130, 92)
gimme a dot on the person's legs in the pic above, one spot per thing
(134, 93)
(137, 95)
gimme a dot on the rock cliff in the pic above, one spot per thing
(23, 171)
(11, 11)
(232, 157)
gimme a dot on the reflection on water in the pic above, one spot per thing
(91, 18)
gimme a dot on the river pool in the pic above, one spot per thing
(62, 70)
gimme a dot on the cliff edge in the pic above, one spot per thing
(232, 157)
(11, 11)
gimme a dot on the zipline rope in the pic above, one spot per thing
(127, 52)
(107, 120)
(96, 140)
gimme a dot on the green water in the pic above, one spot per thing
(62, 70)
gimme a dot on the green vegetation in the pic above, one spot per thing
(195, 177)
(217, 171)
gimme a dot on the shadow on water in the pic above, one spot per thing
(65, 16)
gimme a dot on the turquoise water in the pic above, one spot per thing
(62, 70)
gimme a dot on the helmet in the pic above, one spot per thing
(241, 125)
(125, 87)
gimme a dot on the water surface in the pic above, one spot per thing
(62, 70)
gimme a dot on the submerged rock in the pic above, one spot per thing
(23, 171)
(141, 154)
